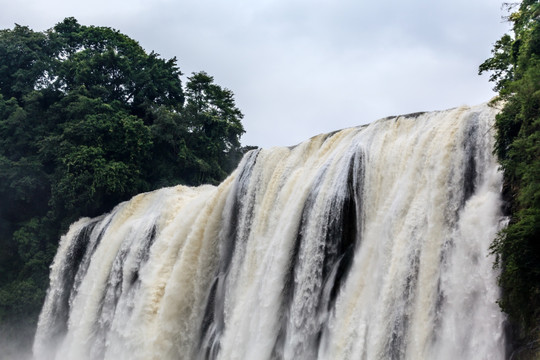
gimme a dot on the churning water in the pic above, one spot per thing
(367, 243)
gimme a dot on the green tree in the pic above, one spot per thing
(87, 120)
(24, 54)
(214, 125)
(113, 67)
(98, 157)
(515, 68)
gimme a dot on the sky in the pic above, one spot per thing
(299, 68)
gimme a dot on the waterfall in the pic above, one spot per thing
(367, 243)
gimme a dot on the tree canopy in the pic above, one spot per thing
(515, 69)
(88, 119)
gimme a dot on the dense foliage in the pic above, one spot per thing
(515, 68)
(88, 119)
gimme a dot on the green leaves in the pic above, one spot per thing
(501, 63)
(23, 58)
(87, 120)
(100, 155)
(516, 71)
(113, 67)
(214, 123)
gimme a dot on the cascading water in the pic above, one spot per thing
(368, 243)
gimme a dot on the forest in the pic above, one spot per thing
(88, 119)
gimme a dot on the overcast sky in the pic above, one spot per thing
(303, 67)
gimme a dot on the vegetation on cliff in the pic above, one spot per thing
(515, 69)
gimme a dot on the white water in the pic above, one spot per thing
(369, 243)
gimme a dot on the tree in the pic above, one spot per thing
(515, 67)
(113, 67)
(87, 120)
(214, 124)
(24, 54)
